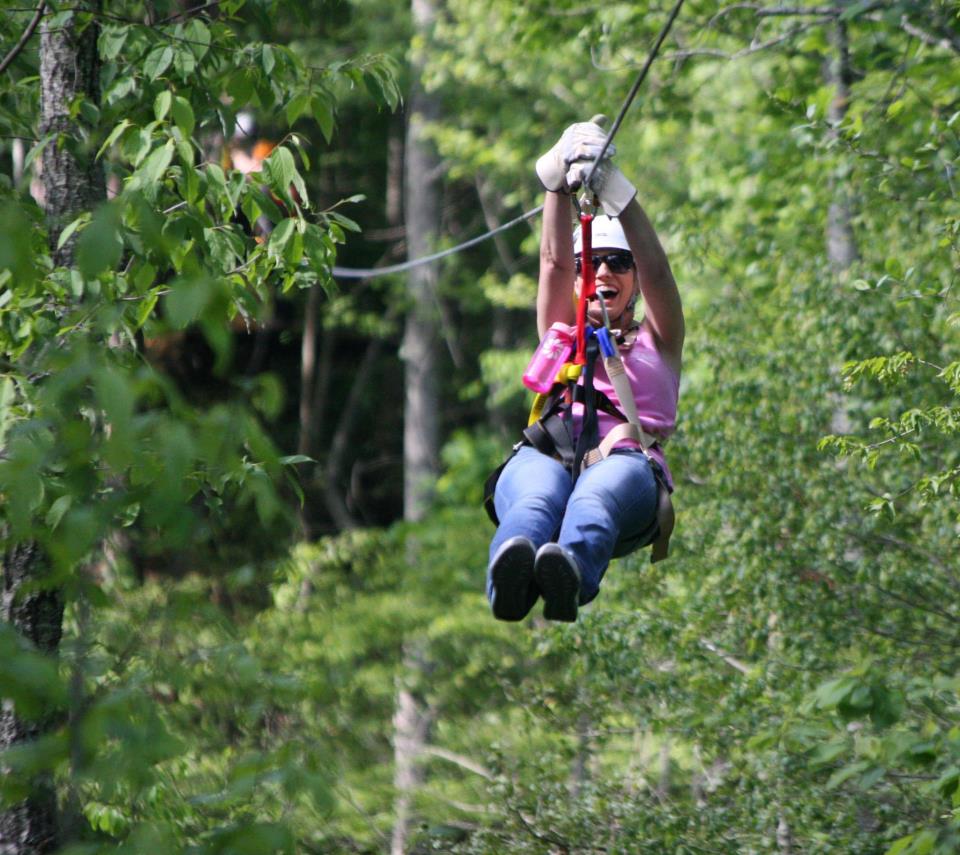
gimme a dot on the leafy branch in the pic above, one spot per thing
(24, 38)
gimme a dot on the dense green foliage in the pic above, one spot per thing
(788, 682)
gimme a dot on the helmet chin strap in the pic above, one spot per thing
(625, 318)
(631, 306)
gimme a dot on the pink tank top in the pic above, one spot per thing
(656, 389)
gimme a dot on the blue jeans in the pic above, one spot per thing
(610, 511)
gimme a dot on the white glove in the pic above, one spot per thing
(581, 141)
(564, 167)
(610, 185)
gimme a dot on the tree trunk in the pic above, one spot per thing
(412, 721)
(340, 442)
(393, 192)
(580, 774)
(30, 827)
(664, 779)
(72, 177)
(841, 242)
(421, 164)
(306, 442)
(17, 156)
(419, 351)
(72, 181)
(784, 836)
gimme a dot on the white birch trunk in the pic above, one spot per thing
(841, 241)
(412, 720)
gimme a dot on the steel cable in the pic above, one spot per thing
(370, 272)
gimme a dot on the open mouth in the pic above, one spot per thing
(607, 294)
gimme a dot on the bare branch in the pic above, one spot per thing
(726, 657)
(945, 41)
(913, 604)
(890, 439)
(527, 823)
(185, 12)
(344, 431)
(459, 760)
(733, 7)
(755, 47)
(27, 33)
(820, 11)
(950, 43)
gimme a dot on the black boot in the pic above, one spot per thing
(511, 572)
(558, 577)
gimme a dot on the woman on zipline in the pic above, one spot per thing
(559, 529)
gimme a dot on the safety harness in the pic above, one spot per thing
(549, 428)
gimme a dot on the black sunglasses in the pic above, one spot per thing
(617, 262)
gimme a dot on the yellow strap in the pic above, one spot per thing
(537, 409)
(569, 371)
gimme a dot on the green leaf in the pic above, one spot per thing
(189, 177)
(297, 106)
(900, 846)
(871, 777)
(280, 235)
(894, 267)
(100, 245)
(187, 301)
(267, 59)
(184, 62)
(183, 115)
(844, 773)
(830, 694)
(29, 678)
(267, 395)
(344, 222)
(111, 41)
(83, 219)
(152, 171)
(145, 309)
(923, 843)
(888, 707)
(299, 142)
(116, 398)
(949, 782)
(323, 114)
(21, 481)
(281, 168)
(115, 134)
(161, 104)
(856, 9)
(829, 751)
(57, 510)
(197, 35)
(157, 61)
(8, 396)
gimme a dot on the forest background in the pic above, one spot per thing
(243, 550)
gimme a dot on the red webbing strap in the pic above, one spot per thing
(588, 286)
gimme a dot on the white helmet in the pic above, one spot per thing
(607, 233)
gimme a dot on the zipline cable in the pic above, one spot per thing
(634, 89)
(370, 272)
